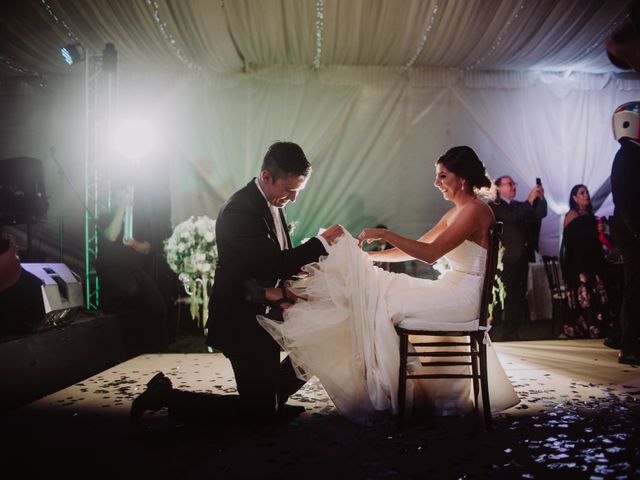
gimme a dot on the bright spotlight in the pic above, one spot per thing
(72, 53)
(134, 138)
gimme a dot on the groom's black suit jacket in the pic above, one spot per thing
(248, 247)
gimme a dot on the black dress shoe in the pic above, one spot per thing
(153, 398)
(629, 358)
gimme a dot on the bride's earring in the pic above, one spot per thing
(462, 187)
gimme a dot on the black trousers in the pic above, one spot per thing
(630, 310)
(514, 277)
(264, 383)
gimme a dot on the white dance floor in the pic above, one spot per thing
(542, 372)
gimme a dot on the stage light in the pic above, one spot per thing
(134, 138)
(73, 53)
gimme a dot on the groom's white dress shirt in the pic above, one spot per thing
(277, 220)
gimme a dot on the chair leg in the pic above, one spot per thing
(474, 371)
(402, 378)
(486, 403)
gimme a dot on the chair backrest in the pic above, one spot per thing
(495, 235)
(553, 275)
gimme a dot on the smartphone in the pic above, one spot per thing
(538, 181)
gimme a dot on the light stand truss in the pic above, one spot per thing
(100, 102)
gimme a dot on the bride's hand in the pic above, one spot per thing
(371, 235)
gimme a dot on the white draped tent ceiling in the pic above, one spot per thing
(373, 90)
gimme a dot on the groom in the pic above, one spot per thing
(253, 242)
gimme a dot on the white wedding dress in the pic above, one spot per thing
(344, 332)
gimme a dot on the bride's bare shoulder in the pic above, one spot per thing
(478, 205)
(483, 206)
(480, 211)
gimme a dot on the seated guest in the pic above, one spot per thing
(122, 270)
(583, 266)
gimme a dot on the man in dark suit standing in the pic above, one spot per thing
(516, 215)
(625, 228)
(253, 243)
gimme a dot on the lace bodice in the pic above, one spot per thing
(468, 257)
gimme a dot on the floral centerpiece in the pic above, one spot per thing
(191, 252)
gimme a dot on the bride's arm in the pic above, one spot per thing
(450, 235)
(397, 255)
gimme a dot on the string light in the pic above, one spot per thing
(169, 38)
(423, 40)
(501, 36)
(319, 32)
(60, 21)
(42, 80)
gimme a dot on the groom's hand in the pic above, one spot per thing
(332, 233)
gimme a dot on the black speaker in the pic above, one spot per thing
(45, 295)
(23, 199)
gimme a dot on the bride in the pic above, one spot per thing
(341, 329)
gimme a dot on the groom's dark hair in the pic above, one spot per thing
(284, 159)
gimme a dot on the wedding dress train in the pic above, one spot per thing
(344, 334)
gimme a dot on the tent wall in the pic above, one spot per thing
(372, 135)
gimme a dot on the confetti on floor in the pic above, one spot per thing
(579, 417)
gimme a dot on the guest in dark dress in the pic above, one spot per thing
(583, 266)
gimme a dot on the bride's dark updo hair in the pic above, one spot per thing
(464, 162)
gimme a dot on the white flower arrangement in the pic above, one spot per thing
(191, 252)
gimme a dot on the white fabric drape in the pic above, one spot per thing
(223, 80)
(373, 136)
(243, 35)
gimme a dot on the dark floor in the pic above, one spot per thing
(582, 423)
(579, 417)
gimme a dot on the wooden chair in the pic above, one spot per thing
(474, 341)
(557, 290)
